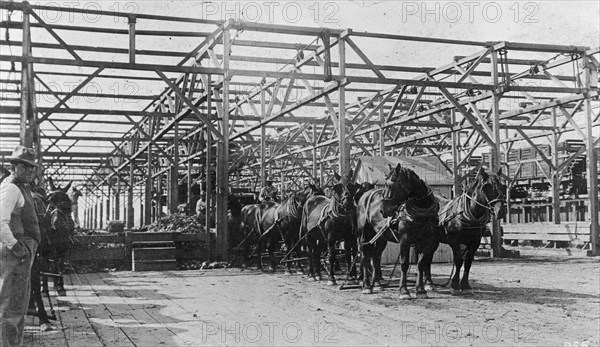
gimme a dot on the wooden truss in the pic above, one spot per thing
(298, 103)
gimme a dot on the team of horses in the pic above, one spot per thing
(365, 218)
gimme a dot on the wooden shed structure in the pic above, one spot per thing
(247, 99)
(374, 169)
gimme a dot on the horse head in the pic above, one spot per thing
(343, 192)
(312, 190)
(59, 208)
(403, 183)
(234, 206)
(489, 191)
(362, 188)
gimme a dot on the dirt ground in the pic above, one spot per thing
(516, 302)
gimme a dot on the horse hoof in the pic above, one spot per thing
(422, 296)
(405, 296)
(318, 278)
(46, 327)
(299, 273)
(467, 291)
(288, 273)
(429, 288)
(454, 291)
(331, 283)
(367, 291)
(311, 279)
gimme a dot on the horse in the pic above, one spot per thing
(36, 302)
(267, 223)
(57, 243)
(327, 220)
(234, 217)
(462, 223)
(405, 212)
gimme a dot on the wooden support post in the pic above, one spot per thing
(189, 188)
(130, 212)
(495, 155)
(28, 123)
(143, 210)
(148, 191)
(159, 195)
(223, 155)
(344, 166)
(314, 155)
(95, 222)
(592, 161)
(263, 141)
(118, 199)
(101, 210)
(208, 171)
(132, 21)
(321, 175)
(208, 195)
(174, 173)
(381, 129)
(556, 172)
(456, 157)
(109, 215)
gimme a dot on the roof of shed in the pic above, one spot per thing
(374, 169)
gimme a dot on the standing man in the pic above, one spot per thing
(74, 196)
(268, 193)
(19, 239)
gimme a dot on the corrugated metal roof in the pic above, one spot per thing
(374, 169)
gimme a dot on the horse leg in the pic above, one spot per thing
(428, 258)
(59, 282)
(404, 264)
(310, 256)
(289, 243)
(458, 262)
(377, 274)
(299, 254)
(317, 260)
(367, 287)
(332, 259)
(350, 255)
(425, 257)
(470, 254)
(36, 297)
(258, 251)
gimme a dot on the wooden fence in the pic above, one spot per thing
(572, 210)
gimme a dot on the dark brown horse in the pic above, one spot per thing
(268, 223)
(462, 223)
(326, 221)
(36, 302)
(57, 244)
(404, 212)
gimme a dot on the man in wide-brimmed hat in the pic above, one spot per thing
(19, 239)
(268, 192)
